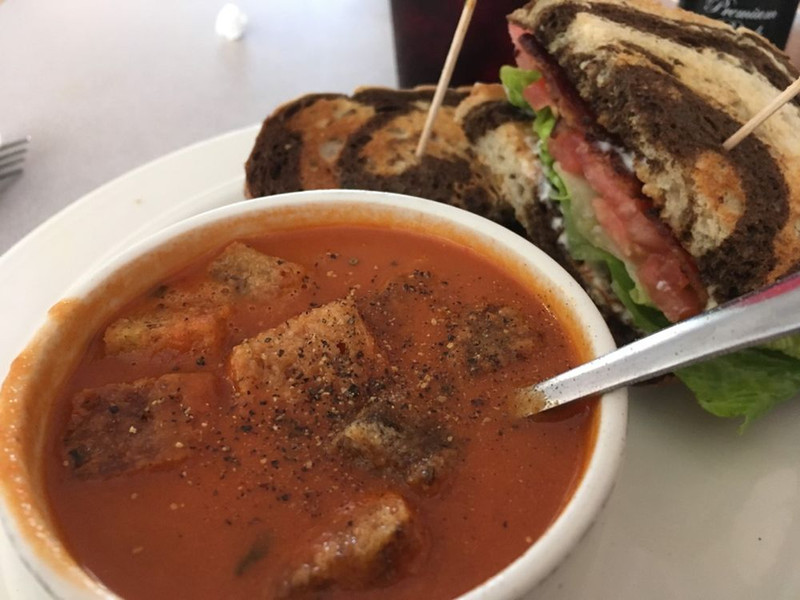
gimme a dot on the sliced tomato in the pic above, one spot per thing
(664, 269)
(564, 146)
(537, 94)
(614, 226)
(669, 286)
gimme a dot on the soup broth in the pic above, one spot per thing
(316, 413)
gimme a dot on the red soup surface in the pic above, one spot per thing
(316, 413)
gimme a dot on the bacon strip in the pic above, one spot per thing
(566, 101)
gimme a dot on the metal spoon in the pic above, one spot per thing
(753, 319)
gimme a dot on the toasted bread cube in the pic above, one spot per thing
(368, 544)
(193, 318)
(491, 338)
(168, 328)
(315, 364)
(397, 444)
(246, 271)
(124, 427)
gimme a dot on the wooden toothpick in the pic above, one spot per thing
(766, 112)
(447, 73)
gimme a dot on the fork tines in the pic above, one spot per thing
(12, 155)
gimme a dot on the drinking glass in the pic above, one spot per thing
(423, 30)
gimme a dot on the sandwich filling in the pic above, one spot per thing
(606, 206)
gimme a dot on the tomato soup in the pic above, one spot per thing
(316, 413)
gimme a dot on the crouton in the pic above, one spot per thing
(167, 328)
(490, 338)
(193, 318)
(367, 544)
(317, 364)
(248, 272)
(397, 444)
(124, 427)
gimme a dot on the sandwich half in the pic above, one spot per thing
(367, 141)
(631, 103)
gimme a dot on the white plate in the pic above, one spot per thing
(699, 511)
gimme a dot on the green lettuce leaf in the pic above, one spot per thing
(514, 82)
(789, 345)
(543, 126)
(744, 384)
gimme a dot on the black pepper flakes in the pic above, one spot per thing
(78, 458)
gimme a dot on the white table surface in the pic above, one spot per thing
(104, 87)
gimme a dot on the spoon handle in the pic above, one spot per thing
(752, 319)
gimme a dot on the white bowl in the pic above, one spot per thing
(38, 372)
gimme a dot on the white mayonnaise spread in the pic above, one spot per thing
(626, 157)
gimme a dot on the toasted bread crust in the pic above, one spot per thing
(279, 162)
(671, 86)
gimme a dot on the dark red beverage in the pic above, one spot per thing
(423, 30)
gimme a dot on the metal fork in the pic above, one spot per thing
(12, 155)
